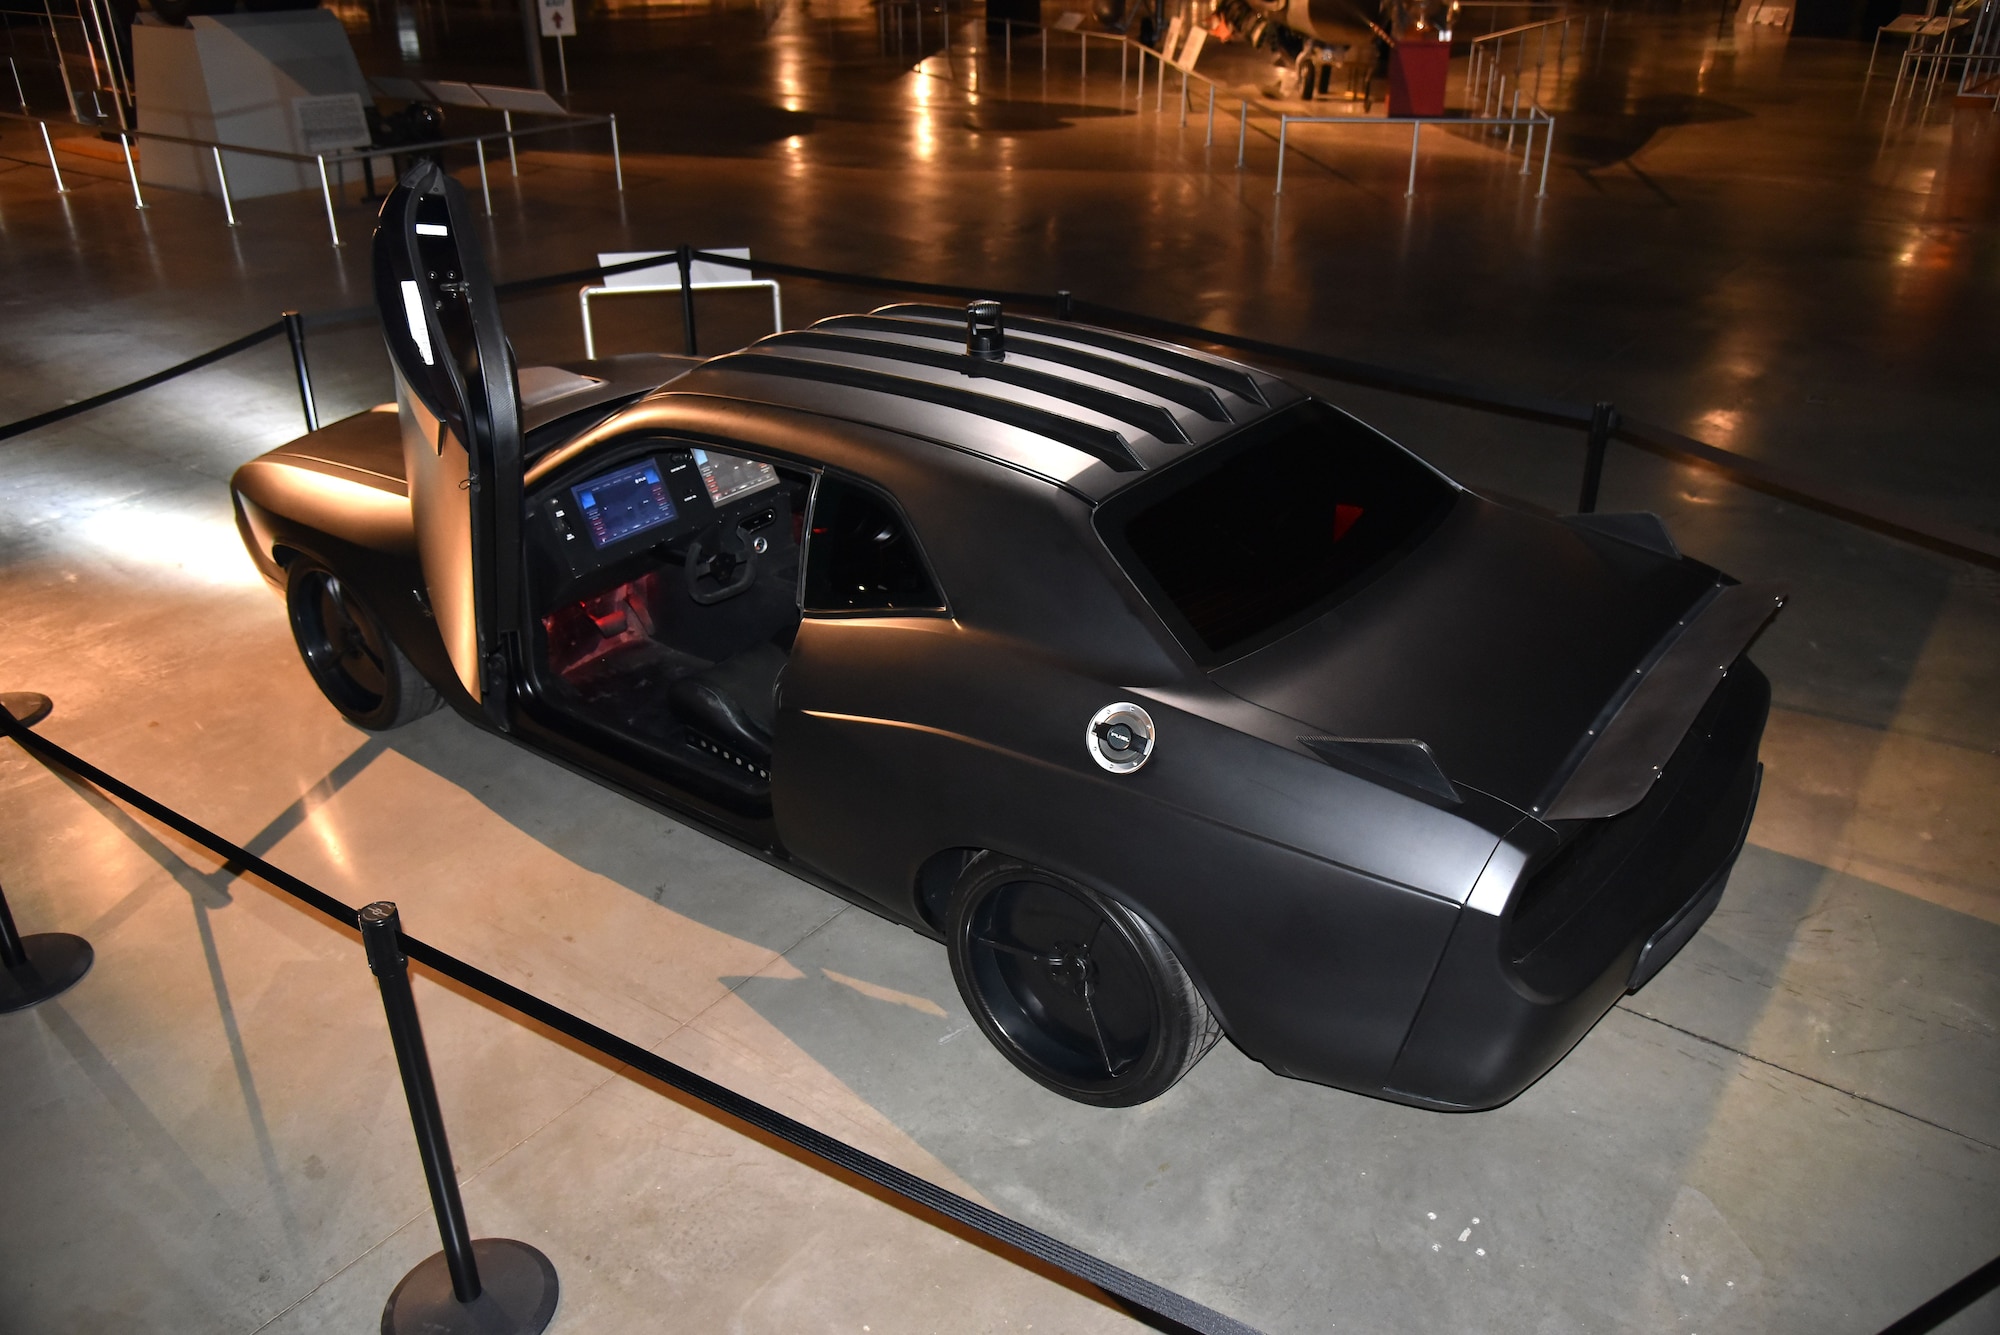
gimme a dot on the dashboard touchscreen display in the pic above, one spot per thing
(728, 477)
(618, 505)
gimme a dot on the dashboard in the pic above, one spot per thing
(657, 496)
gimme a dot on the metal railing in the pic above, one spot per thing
(1536, 116)
(1982, 50)
(1487, 76)
(339, 158)
(1133, 56)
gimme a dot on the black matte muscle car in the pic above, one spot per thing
(1174, 700)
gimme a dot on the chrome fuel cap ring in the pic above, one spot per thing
(1120, 737)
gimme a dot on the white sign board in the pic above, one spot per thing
(701, 273)
(331, 122)
(558, 17)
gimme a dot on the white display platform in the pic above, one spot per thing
(281, 80)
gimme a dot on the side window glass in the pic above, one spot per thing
(861, 557)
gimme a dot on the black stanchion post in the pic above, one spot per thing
(1062, 303)
(1603, 421)
(686, 258)
(35, 968)
(295, 331)
(495, 1286)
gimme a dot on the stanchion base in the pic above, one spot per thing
(27, 707)
(518, 1295)
(55, 961)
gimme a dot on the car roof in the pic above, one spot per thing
(1085, 409)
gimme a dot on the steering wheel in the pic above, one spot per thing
(729, 563)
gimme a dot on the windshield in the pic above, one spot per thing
(1257, 535)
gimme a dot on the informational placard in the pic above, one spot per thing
(332, 122)
(558, 17)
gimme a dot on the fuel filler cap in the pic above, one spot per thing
(1120, 737)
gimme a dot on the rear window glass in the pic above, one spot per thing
(1254, 537)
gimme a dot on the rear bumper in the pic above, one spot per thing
(1595, 920)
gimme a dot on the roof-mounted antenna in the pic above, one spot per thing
(984, 338)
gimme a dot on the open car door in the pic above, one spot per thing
(460, 406)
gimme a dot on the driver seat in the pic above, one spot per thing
(729, 709)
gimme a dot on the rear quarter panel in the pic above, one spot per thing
(1310, 906)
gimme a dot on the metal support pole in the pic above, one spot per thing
(1513, 114)
(62, 67)
(1242, 128)
(295, 334)
(37, 967)
(1159, 83)
(485, 189)
(1208, 140)
(132, 170)
(222, 175)
(1140, 101)
(494, 1286)
(19, 91)
(1124, 49)
(1416, 133)
(49, 144)
(507, 119)
(685, 258)
(13, 955)
(562, 65)
(531, 36)
(1184, 97)
(1548, 146)
(1528, 149)
(380, 934)
(617, 162)
(326, 193)
(1284, 126)
(1603, 421)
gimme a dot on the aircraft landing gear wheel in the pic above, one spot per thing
(1073, 987)
(355, 664)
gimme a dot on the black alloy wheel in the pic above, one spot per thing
(355, 664)
(1073, 987)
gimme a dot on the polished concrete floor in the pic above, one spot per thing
(1795, 1128)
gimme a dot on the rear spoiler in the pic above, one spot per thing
(1614, 764)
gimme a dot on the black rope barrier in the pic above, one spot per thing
(1949, 1303)
(1601, 421)
(1178, 1312)
(229, 349)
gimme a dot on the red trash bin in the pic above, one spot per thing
(1417, 70)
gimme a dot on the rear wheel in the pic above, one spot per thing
(351, 657)
(1073, 987)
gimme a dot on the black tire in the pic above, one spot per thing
(355, 664)
(1073, 987)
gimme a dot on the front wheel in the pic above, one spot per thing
(1072, 986)
(355, 664)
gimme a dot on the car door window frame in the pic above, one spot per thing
(941, 608)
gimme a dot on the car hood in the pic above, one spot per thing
(1501, 642)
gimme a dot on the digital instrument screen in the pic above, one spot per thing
(728, 477)
(629, 501)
